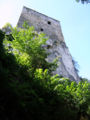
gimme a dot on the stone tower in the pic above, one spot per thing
(56, 44)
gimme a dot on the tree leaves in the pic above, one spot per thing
(26, 75)
(83, 1)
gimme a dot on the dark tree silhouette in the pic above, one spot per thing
(83, 1)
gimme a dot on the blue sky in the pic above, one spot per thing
(74, 19)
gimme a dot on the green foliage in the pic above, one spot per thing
(28, 90)
(83, 1)
(27, 47)
(78, 94)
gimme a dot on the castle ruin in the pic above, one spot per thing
(56, 44)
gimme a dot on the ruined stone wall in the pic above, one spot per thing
(56, 44)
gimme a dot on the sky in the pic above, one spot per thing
(74, 19)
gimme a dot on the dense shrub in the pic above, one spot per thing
(28, 90)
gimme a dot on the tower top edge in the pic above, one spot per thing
(29, 9)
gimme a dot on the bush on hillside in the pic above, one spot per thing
(28, 90)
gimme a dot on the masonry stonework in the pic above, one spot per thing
(56, 44)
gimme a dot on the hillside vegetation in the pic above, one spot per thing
(28, 90)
